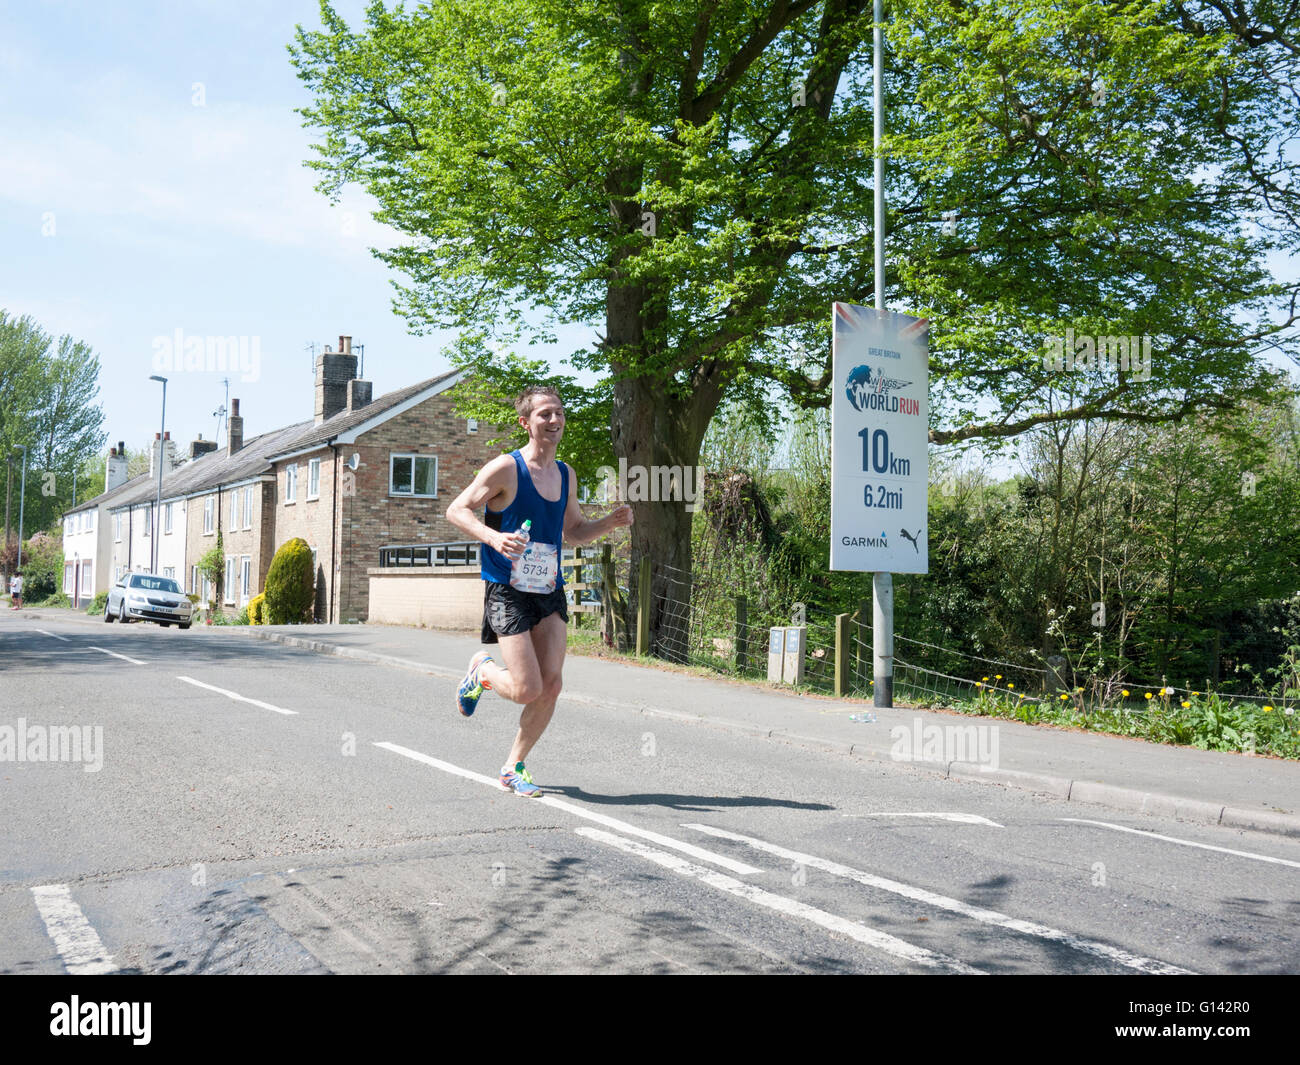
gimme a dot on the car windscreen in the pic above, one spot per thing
(156, 584)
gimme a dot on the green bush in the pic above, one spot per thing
(289, 585)
(57, 599)
(100, 602)
(256, 610)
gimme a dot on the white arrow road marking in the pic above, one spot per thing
(791, 907)
(580, 811)
(83, 952)
(124, 658)
(236, 696)
(978, 913)
(964, 819)
(54, 634)
(1184, 842)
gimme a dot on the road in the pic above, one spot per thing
(261, 809)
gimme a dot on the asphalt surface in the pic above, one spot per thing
(261, 808)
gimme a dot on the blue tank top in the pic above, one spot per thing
(547, 518)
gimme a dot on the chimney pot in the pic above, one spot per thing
(345, 345)
(234, 408)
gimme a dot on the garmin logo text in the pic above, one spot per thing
(864, 541)
(102, 1018)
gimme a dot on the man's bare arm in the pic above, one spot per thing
(578, 530)
(492, 482)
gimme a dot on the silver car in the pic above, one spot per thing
(144, 597)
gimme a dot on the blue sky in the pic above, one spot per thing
(151, 180)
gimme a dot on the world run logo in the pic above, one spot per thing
(868, 389)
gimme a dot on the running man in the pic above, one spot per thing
(524, 608)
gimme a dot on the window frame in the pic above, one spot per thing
(248, 506)
(414, 457)
(291, 484)
(227, 594)
(167, 519)
(313, 474)
(209, 507)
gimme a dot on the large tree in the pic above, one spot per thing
(694, 179)
(47, 393)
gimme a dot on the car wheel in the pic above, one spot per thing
(108, 614)
(121, 611)
(165, 624)
(184, 624)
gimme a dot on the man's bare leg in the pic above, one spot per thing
(550, 641)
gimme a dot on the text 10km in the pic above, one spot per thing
(877, 458)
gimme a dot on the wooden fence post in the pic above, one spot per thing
(844, 656)
(863, 643)
(742, 633)
(643, 608)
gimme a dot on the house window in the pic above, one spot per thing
(313, 479)
(148, 520)
(117, 527)
(88, 577)
(208, 508)
(413, 475)
(471, 425)
(167, 518)
(90, 521)
(245, 578)
(229, 590)
(194, 580)
(248, 507)
(67, 577)
(235, 497)
(291, 483)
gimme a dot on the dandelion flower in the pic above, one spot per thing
(1064, 696)
(1268, 709)
(1124, 693)
(998, 676)
(983, 678)
(1010, 685)
(1148, 695)
(1289, 711)
(1186, 704)
(978, 684)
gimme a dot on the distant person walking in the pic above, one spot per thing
(16, 591)
(524, 607)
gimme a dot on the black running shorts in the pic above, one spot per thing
(508, 611)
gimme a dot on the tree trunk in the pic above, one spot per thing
(653, 432)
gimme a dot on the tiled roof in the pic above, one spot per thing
(218, 467)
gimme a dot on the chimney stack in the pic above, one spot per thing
(334, 369)
(202, 447)
(359, 393)
(235, 429)
(115, 468)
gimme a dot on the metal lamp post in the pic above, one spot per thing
(162, 439)
(22, 495)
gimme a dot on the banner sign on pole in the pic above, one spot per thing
(880, 458)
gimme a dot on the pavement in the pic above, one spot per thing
(1233, 790)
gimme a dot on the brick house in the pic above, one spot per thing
(363, 474)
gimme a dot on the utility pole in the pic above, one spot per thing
(156, 533)
(22, 497)
(9, 490)
(882, 584)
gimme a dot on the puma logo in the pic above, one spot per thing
(908, 536)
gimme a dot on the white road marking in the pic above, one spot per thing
(978, 913)
(236, 696)
(1184, 842)
(83, 952)
(964, 819)
(791, 907)
(124, 658)
(610, 822)
(54, 634)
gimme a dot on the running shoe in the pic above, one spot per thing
(471, 688)
(520, 781)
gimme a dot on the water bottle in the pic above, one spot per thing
(523, 531)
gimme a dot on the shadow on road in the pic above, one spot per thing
(689, 803)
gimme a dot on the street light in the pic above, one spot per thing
(22, 494)
(157, 517)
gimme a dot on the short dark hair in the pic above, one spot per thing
(524, 401)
